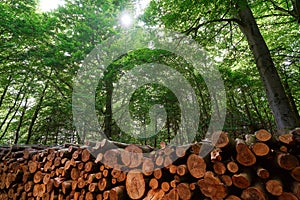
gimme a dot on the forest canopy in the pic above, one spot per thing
(254, 45)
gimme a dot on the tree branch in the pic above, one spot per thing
(272, 15)
(192, 28)
(282, 9)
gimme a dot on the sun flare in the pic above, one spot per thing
(126, 20)
(48, 5)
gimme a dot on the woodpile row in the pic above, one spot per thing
(257, 167)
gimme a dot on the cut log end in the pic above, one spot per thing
(220, 139)
(274, 187)
(287, 196)
(135, 184)
(232, 167)
(132, 156)
(287, 161)
(245, 155)
(241, 180)
(260, 149)
(263, 135)
(184, 191)
(196, 166)
(253, 193)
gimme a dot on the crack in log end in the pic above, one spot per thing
(135, 184)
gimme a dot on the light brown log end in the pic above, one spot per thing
(135, 184)
(196, 165)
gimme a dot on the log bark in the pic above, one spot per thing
(117, 193)
(262, 173)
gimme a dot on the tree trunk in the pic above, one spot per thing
(252, 124)
(256, 109)
(296, 10)
(285, 118)
(290, 95)
(11, 108)
(5, 90)
(108, 108)
(35, 114)
(21, 121)
(14, 115)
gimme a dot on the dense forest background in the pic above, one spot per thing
(41, 53)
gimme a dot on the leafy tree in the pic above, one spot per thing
(225, 23)
(42, 52)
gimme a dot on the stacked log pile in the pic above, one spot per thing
(257, 167)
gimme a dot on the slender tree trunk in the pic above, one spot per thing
(21, 121)
(236, 107)
(285, 118)
(168, 128)
(269, 118)
(47, 131)
(108, 108)
(203, 102)
(290, 95)
(5, 90)
(144, 129)
(252, 124)
(14, 115)
(231, 121)
(10, 110)
(35, 114)
(256, 109)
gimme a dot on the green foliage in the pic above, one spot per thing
(40, 54)
(214, 25)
